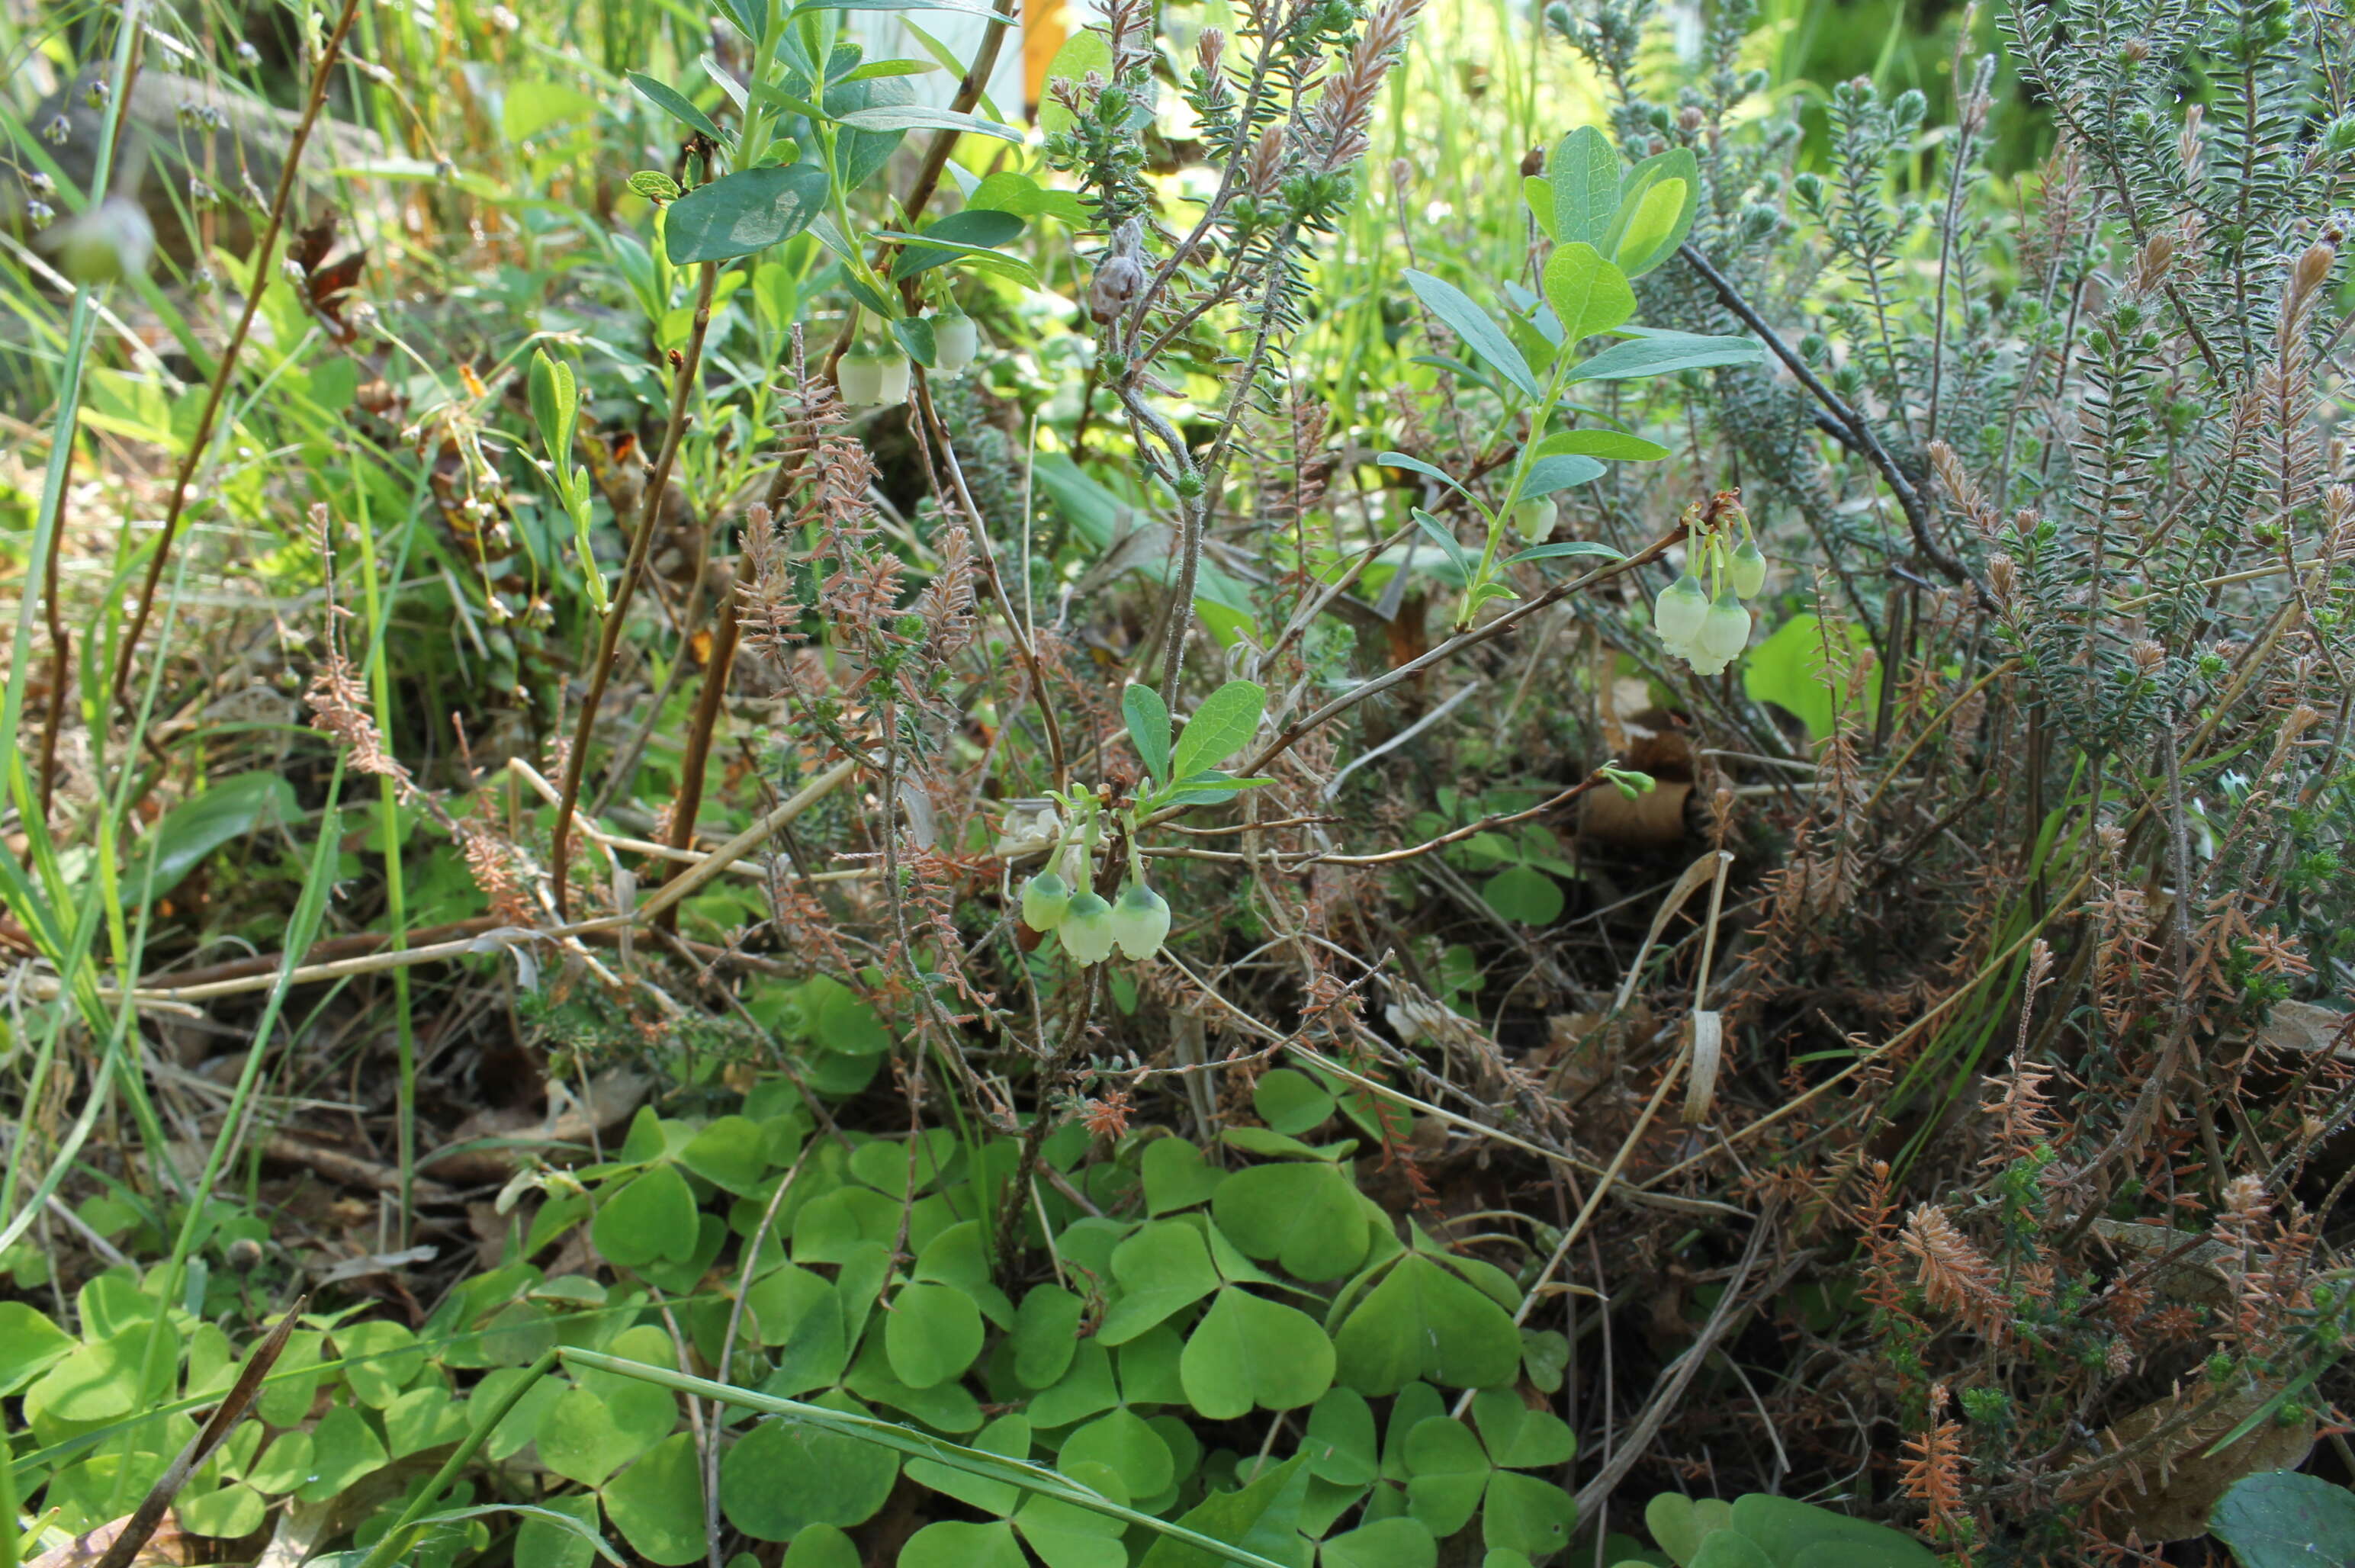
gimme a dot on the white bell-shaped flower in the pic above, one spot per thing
(1046, 900)
(1087, 929)
(956, 340)
(1140, 920)
(867, 380)
(1724, 630)
(1677, 613)
(1747, 570)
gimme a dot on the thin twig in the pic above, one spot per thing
(649, 516)
(1017, 627)
(176, 503)
(688, 802)
(1731, 1309)
(1859, 437)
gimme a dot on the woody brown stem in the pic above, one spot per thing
(689, 799)
(60, 641)
(649, 514)
(936, 162)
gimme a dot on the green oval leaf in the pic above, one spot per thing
(975, 229)
(651, 1218)
(924, 117)
(1482, 336)
(1657, 204)
(744, 212)
(1611, 443)
(1147, 717)
(1588, 294)
(1583, 177)
(657, 1503)
(676, 104)
(2281, 1520)
(1660, 353)
(1249, 1352)
(1223, 725)
(1547, 475)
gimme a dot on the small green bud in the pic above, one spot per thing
(1677, 613)
(1140, 922)
(1725, 629)
(1087, 929)
(1046, 899)
(1748, 570)
(1630, 782)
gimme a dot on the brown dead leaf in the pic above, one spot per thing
(491, 1145)
(2164, 1492)
(1580, 1052)
(1651, 821)
(167, 1546)
(2307, 1030)
(2197, 1269)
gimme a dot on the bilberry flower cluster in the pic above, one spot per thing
(1090, 927)
(1700, 616)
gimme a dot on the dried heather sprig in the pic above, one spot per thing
(1933, 1475)
(1955, 1276)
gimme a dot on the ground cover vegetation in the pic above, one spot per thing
(1362, 782)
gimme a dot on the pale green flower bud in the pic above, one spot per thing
(1678, 612)
(1046, 899)
(1535, 519)
(1087, 929)
(1724, 630)
(1747, 570)
(1140, 920)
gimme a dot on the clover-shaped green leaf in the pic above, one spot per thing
(650, 1219)
(782, 1477)
(1291, 1102)
(657, 1502)
(1422, 1320)
(1304, 1215)
(1164, 1268)
(1248, 1351)
(1447, 1472)
(1176, 1176)
(1340, 1441)
(956, 1543)
(1384, 1543)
